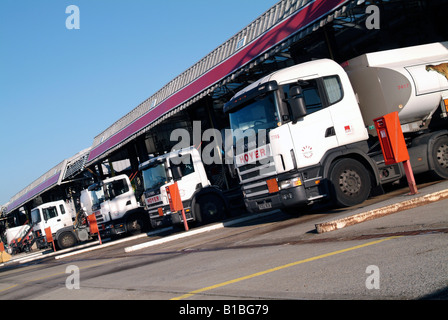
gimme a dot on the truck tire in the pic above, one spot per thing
(439, 155)
(209, 208)
(66, 240)
(136, 224)
(350, 182)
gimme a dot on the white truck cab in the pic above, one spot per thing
(59, 216)
(202, 201)
(114, 204)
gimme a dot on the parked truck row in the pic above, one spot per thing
(118, 211)
(300, 135)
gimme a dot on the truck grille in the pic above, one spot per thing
(153, 210)
(99, 217)
(253, 177)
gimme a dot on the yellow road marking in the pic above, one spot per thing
(57, 274)
(192, 293)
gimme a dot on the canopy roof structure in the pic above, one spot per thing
(59, 174)
(271, 32)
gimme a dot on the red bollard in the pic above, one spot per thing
(175, 200)
(49, 237)
(93, 225)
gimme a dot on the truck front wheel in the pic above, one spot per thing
(209, 208)
(66, 240)
(136, 224)
(350, 182)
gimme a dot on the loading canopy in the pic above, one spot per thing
(253, 44)
(63, 171)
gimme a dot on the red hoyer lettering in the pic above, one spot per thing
(257, 154)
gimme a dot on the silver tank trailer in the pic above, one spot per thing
(412, 81)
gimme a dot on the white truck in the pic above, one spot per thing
(115, 206)
(112, 201)
(67, 227)
(306, 133)
(202, 201)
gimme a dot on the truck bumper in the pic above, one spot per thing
(284, 198)
(172, 218)
(176, 217)
(156, 219)
(41, 243)
(112, 229)
(160, 221)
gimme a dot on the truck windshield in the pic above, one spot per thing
(97, 196)
(35, 216)
(261, 113)
(50, 213)
(155, 176)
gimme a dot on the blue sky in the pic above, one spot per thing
(59, 88)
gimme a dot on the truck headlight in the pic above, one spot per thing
(291, 183)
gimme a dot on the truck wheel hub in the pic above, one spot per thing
(350, 182)
(442, 155)
(211, 209)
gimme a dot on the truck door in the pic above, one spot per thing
(55, 218)
(187, 177)
(313, 134)
(120, 198)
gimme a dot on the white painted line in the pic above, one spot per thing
(58, 252)
(113, 243)
(28, 256)
(197, 231)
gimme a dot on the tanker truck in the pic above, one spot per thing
(306, 133)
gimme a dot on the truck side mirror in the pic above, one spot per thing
(176, 173)
(109, 192)
(106, 194)
(297, 103)
(232, 170)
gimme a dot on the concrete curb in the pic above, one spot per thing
(381, 212)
